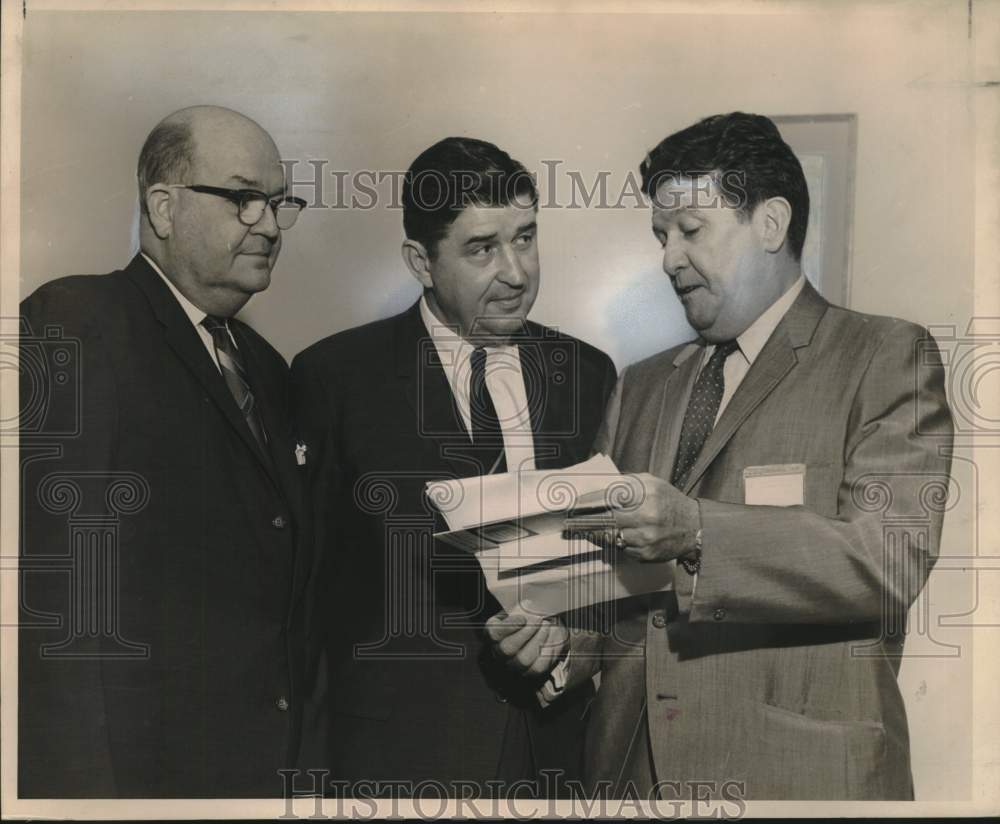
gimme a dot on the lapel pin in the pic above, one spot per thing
(300, 453)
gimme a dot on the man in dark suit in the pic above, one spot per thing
(459, 385)
(161, 613)
(793, 462)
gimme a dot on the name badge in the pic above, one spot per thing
(774, 485)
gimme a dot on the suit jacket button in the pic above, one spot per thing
(659, 620)
(719, 614)
(282, 704)
(501, 699)
(278, 522)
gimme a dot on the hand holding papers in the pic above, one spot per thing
(514, 524)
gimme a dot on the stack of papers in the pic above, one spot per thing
(514, 524)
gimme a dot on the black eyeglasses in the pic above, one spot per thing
(252, 203)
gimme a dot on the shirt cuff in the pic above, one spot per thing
(555, 686)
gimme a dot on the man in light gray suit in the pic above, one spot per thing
(792, 462)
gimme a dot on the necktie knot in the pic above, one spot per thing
(724, 350)
(478, 359)
(479, 394)
(214, 324)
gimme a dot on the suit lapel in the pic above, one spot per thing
(280, 464)
(676, 392)
(183, 339)
(546, 399)
(436, 415)
(774, 362)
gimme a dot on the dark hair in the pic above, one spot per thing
(166, 157)
(748, 158)
(453, 174)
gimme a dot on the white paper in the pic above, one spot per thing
(471, 502)
(776, 485)
(514, 524)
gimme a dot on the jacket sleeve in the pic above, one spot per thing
(764, 564)
(67, 426)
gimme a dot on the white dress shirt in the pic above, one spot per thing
(504, 380)
(195, 315)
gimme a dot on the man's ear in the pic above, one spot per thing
(418, 262)
(160, 209)
(775, 216)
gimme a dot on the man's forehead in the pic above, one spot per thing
(687, 192)
(476, 218)
(262, 176)
(250, 165)
(698, 196)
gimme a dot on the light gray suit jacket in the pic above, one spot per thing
(779, 671)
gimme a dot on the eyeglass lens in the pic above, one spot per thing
(252, 210)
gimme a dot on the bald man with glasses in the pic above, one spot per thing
(181, 675)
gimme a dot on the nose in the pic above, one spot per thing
(674, 257)
(268, 224)
(511, 270)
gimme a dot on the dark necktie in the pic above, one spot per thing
(486, 431)
(235, 374)
(699, 419)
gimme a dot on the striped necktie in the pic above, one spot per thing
(702, 409)
(235, 374)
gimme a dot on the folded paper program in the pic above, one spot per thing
(514, 523)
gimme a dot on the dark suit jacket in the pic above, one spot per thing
(777, 669)
(411, 693)
(178, 674)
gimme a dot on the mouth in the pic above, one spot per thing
(258, 259)
(507, 304)
(684, 291)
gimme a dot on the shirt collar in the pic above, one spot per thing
(447, 339)
(195, 315)
(437, 329)
(756, 335)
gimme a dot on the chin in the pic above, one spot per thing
(698, 323)
(506, 328)
(256, 280)
(702, 318)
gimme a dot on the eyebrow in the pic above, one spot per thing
(256, 185)
(472, 241)
(684, 211)
(694, 211)
(246, 181)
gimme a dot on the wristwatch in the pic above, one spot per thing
(692, 561)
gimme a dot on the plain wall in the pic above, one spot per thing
(370, 91)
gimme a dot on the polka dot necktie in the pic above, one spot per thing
(235, 374)
(486, 431)
(699, 419)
